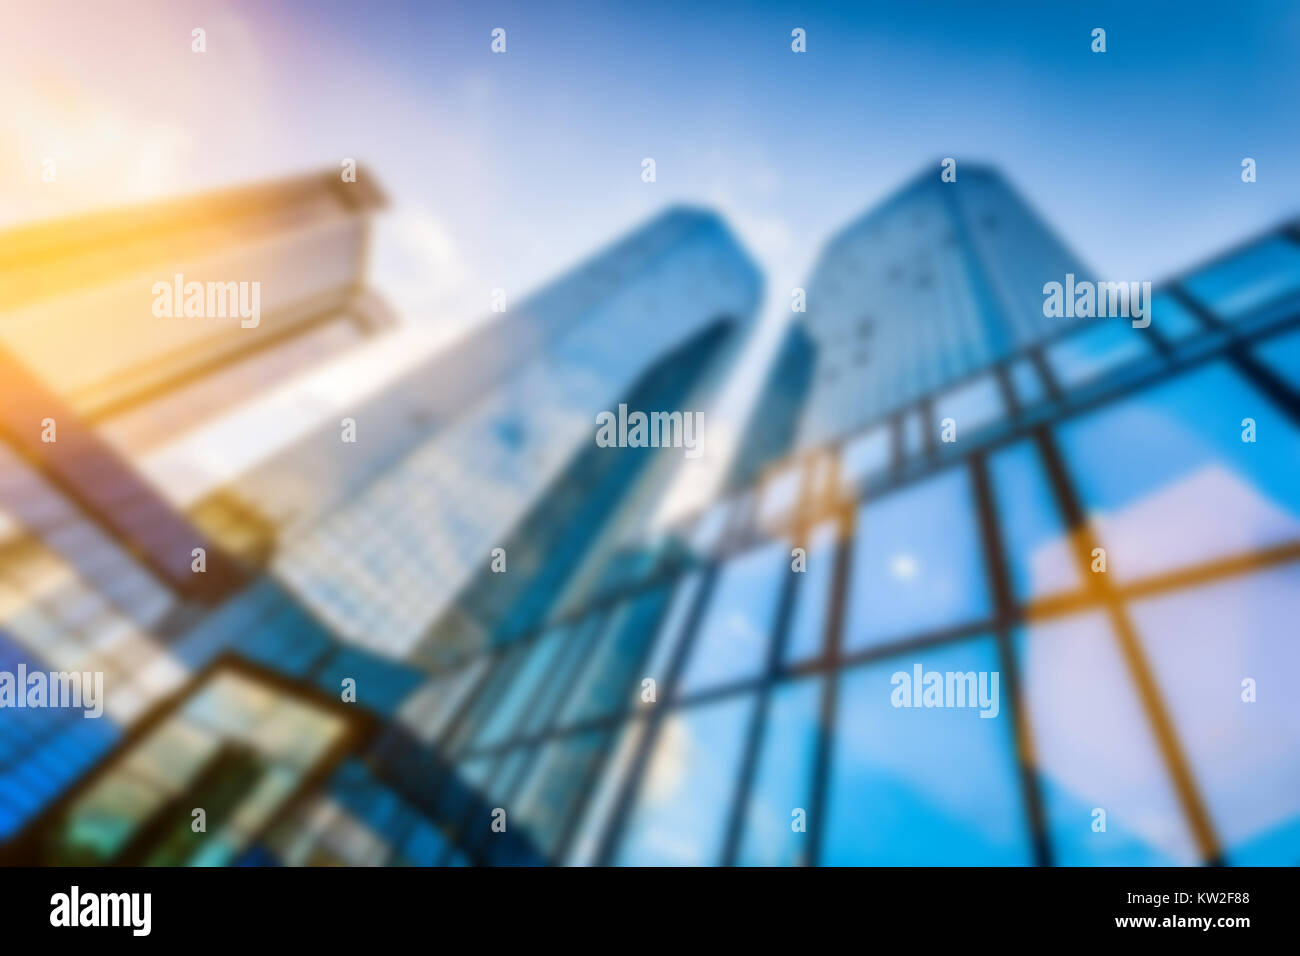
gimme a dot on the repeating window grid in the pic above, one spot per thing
(1008, 613)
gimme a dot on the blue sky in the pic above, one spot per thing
(506, 169)
(1134, 155)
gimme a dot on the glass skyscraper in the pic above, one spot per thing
(1113, 532)
(1103, 535)
(233, 688)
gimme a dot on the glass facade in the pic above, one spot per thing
(1054, 640)
(491, 444)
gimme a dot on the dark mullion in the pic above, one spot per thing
(1045, 373)
(929, 441)
(631, 784)
(1139, 668)
(1009, 399)
(448, 738)
(830, 686)
(758, 720)
(537, 701)
(458, 830)
(1267, 381)
(1163, 347)
(464, 710)
(1238, 353)
(1208, 319)
(617, 722)
(1004, 603)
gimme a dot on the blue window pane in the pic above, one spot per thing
(555, 786)
(780, 495)
(584, 849)
(1026, 383)
(1094, 750)
(1106, 344)
(917, 563)
(1203, 644)
(1171, 318)
(971, 406)
(570, 665)
(913, 434)
(608, 680)
(502, 676)
(672, 628)
(1282, 355)
(916, 786)
(1168, 482)
(865, 456)
(1237, 286)
(382, 684)
(1039, 556)
(733, 638)
(522, 689)
(681, 816)
(783, 779)
(506, 773)
(811, 597)
(424, 845)
(708, 529)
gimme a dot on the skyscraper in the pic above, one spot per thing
(250, 695)
(1104, 558)
(936, 284)
(102, 579)
(1027, 622)
(79, 300)
(490, 444)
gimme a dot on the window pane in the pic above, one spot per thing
(1251, 279)
(780, 495)
(916, 786)
(609, 679)
(865, 456)
(973, 405)
(569, 667)
(672, 627)
(1282, 355)
(783, 779)
(521, 691)
(1034, 539)
(1086, 355)
(913, 434)
(1170, 318)
(555, 785)
(681, 816)
(708, 529)
(428, 711)
(595, 815)
(811, 597)
(1168, 482)
(917, 563)
(1094, 750)
(1245, 756)
(1026, 382)
(732, 642)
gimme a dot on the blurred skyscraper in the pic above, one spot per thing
(486, 444)
(927, 289)
(1114, 531)
(704, 693)
(77, 300)
(99, 572)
